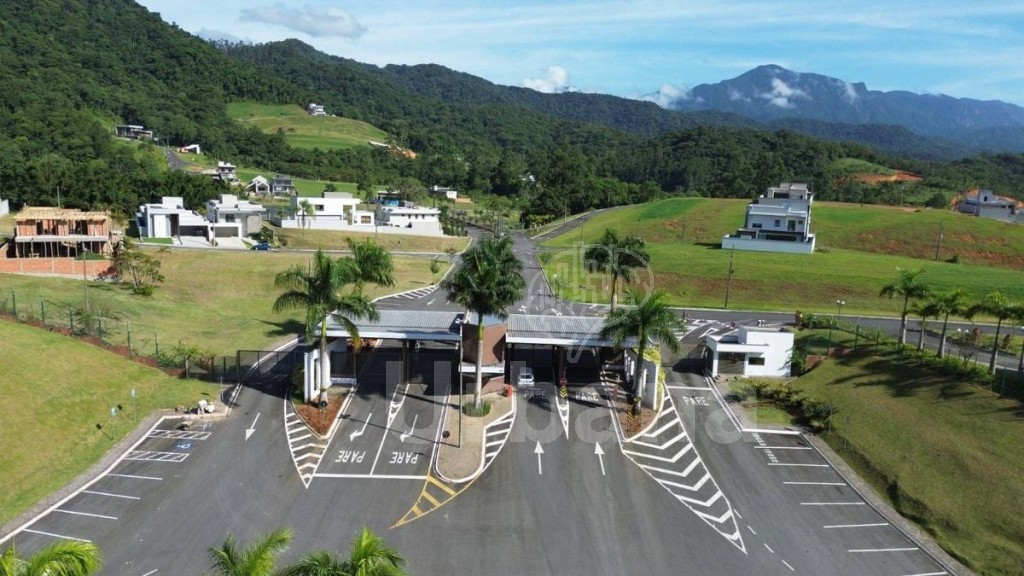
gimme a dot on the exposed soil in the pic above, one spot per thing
(879, 178)
(320, 419)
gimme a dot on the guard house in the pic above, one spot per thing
(751, 351)
(778, 221)
(46, 232)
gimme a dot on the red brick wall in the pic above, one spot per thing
(66, 266)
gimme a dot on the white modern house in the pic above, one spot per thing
(316, 109)
(169, 219)
(224, 171)
(751, 351)
(417, 219)
(778, 221)
(986, 204)
(444, 191)
(231, 216)
(332, 211)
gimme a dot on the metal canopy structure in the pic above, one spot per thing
(404, 325)
(557, 330)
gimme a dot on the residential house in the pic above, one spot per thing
(47, 232)
(986, 204)
(316, 109)
(133, 131)
(170, 219)
(778, 221)
(191, 149)
(5, 207)
(258, 186)
(751, 351)
(282, 185)
(331, 211)
(445, 192)
(231, 217)
(226, 172)
(421, 220)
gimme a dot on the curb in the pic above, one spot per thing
(484, 463)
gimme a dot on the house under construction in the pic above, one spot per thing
(46, 232)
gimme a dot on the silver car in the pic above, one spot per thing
(525, 377)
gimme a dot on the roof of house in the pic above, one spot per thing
(51, 213)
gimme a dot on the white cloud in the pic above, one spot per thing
(849, 92)
(309, 20)
(666, 95)
(782, 94)
(735, 96)
(553, 81)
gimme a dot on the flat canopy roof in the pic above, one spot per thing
(404, 325)
(557, 330)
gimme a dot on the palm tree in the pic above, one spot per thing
(318, 290)
(924, 311)
(650, 321)
(487, 281)
(257, 558)
(618, 257)
(910, 288)
(307, 212)
(373, 264)
(71, 558)
(995, 304)
(368, 556)
(944, 305)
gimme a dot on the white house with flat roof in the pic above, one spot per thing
(986, 204)
(170, 219)
(421, 220)
(331, 211)
(234, 217)
(778, 221)
(751, 351)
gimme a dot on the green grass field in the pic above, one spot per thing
(53, 392)
(852, 166)
(684, 236)
(945, 454)
(304, 131)
(218, 300)
(330, 240)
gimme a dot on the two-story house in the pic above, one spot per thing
(46, 232)
(282, 185)
(778, 221)
(170, 219)
(331, 211)
(231, 216)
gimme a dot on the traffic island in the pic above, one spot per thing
(463, 462)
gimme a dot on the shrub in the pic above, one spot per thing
(469, 408)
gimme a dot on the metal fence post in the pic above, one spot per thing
(128, 326)
(99, 328)
(42, 310)
(156, 343)
(71, 319)
(14, 303)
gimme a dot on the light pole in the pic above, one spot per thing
(839, 304)
(728, 282)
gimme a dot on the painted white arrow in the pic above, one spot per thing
(538, 451)
(359, 432)
(252, 428)
(600, 456)
(405, 435)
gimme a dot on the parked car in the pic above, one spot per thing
(525, 378)
(261, 246)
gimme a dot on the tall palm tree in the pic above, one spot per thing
(369, 555)
(71, 558)
(944, 305)
(307, 212)
(319, 290)
(487, 281)
(924, 311)
(995, 304)
(649, 320)
(910, 288)
(617, 257)
(373, 264)
(257, 558)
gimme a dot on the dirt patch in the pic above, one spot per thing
(880, 178)
(320, 419)
(455, 461)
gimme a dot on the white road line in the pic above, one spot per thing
(769, 548)
(153, 571)
(85, 514)
(831, 503)
(869, 550)
(791, 569)
(62, 537)
(135, 477)
(928, 574)
(371, 476)
(751, 530)
(873, 525)
(111, 495)
(687, 387)
(783, 447)
(815, 483)
(805, 465)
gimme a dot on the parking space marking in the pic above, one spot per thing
(769, 548)
(870, 550)
(90, 514)
(134, 476)
(791, 569)
(372, 476)
(179, 434)
(156, 456)
(872, 525)
(110, 495)
(151, 572)
(52, 535)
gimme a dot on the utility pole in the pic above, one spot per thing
(938, 242)
(728, 282)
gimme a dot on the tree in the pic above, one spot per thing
(257, 558)
(910, 288)
(923, 311)
(369, 555)
(307, 212)
(373, 264)
(136, 268)
(617, 257)
(71, 558)
(944, 305)
(318, 290)
(487, 281)
(648, 320)
(996, 304)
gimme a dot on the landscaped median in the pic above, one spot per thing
(464, 462)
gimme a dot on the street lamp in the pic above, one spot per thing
(839, 304)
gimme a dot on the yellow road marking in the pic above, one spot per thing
(441, 485)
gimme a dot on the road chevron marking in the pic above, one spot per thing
(306, 454)
(710, 505)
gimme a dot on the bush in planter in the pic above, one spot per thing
(469, 408)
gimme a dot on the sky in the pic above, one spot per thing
(650, 49)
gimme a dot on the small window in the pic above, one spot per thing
(756, 361)
(756, 225)
(778, 223)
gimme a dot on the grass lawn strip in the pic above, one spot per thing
(54, 391)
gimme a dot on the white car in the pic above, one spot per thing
(525, 378)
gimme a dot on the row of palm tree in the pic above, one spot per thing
(928, 303)
(320, 289)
